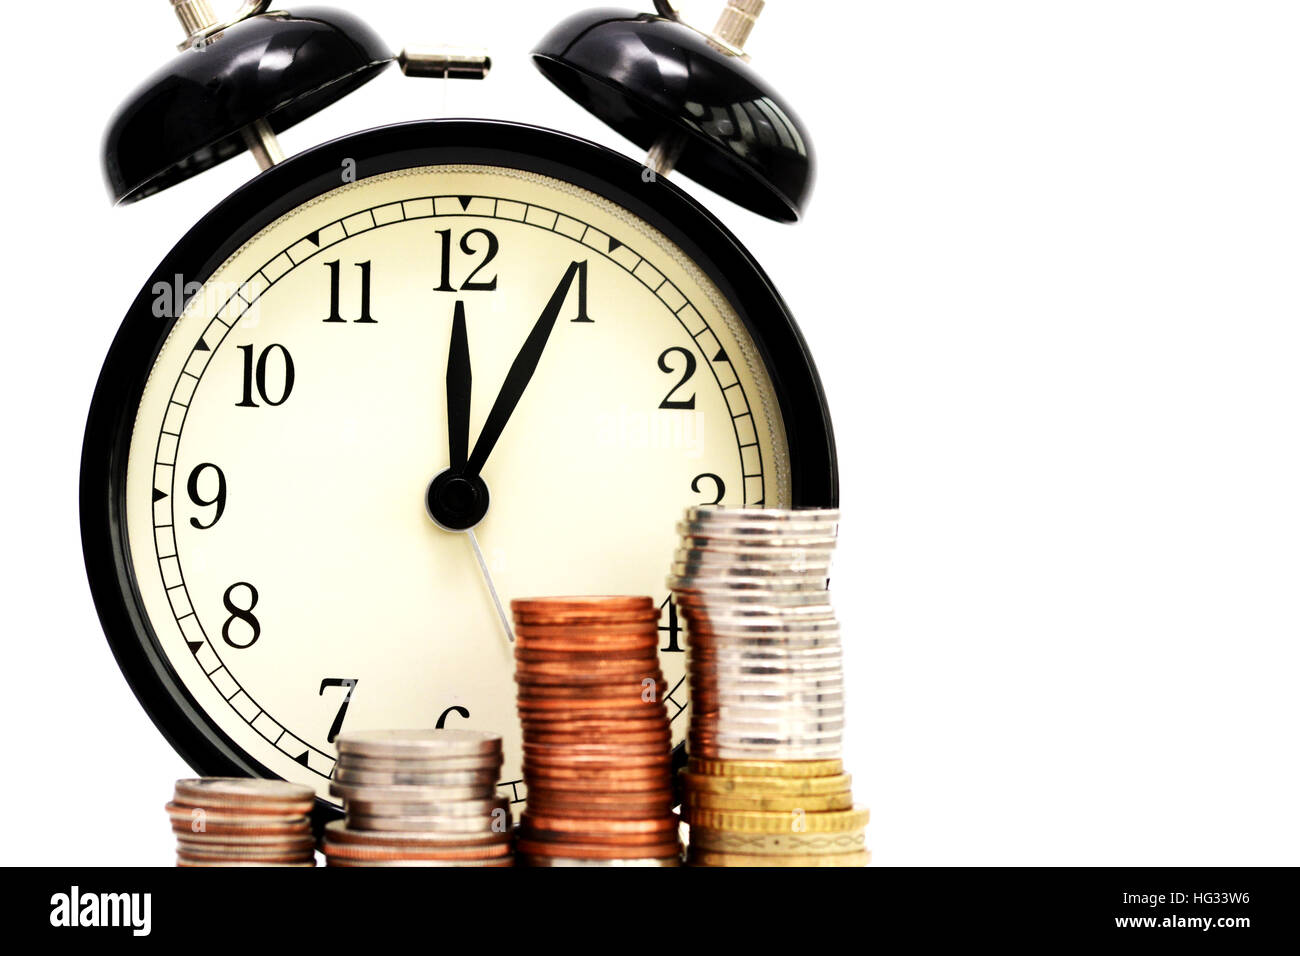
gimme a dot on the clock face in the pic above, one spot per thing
(393, 404)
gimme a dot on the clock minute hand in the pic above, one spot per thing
(459, 382)
(520, 374)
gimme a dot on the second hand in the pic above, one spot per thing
(487, 576)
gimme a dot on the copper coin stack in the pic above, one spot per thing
(597, 745)
(419, 798)
(764, 661)
(240, 821)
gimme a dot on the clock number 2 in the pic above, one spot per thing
(687, 372)
(255, 375)
(349, 684)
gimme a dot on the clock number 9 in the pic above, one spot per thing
(255, 374)
(219, 499)
(467, 247)
(238, 613)
(688, 371)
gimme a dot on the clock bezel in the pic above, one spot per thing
(195, 735)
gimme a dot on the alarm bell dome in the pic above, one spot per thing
(655, 79)
(192, 114)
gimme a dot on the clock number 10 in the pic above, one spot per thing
(255, 375)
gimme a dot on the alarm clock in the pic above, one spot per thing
(405, 376)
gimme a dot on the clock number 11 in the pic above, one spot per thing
(334, 315)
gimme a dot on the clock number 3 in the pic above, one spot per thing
(719, 486)
(349, 684)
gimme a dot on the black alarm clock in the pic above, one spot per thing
(405, 376)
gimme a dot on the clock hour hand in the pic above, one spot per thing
(459, 381)
(520, 374)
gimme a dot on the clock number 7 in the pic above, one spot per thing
(351, 684)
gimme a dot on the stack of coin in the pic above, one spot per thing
(772, 813)
(766, 681)
(239, 821)
(419, 798)
(597, 745)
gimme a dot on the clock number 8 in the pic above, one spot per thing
(238, 613)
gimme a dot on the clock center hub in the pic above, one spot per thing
(456, 502)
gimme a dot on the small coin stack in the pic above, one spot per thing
(419, 798)
(239, 821)
(597, 745)
(765, 785)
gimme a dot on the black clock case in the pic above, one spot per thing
(814, 477)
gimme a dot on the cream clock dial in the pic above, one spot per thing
(396, 382)
(295, 572)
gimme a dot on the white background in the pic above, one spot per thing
(1050, 277)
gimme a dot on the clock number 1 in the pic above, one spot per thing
(582, 294)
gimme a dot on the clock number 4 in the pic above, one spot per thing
(349, 684)
(673, 627)
(335, 315)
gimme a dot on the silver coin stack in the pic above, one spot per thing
(763, 643)
(419, 798)
(238, 821)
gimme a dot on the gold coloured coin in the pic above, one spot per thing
(810, 844)
(809, 803)
(712, 858)
(763, 821)
(789, 786)
(766, 768)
